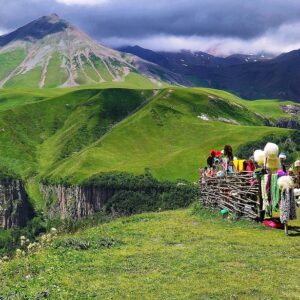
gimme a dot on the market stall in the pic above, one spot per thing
(260, 188)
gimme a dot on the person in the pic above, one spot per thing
(250, 166)
(282, 158)
(211, 159)
(291, 172)
(229, 158)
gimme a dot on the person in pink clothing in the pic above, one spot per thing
(250, 166)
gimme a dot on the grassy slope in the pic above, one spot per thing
(88, 71)
(166, 137)
(30, 79)
(56, 76)
(9, 61)
(169, 255)
(52, 132)
(73, 120)
(270, 108)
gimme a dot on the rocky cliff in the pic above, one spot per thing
(15, 208)
(288, 123)
(74, 201)
(64, 202)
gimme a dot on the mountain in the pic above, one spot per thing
(188, 60)
(51, 52)
(249, 76)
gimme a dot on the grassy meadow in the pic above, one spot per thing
(183, 254)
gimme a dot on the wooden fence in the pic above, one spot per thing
(238, 193)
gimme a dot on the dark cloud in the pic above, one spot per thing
(140, 19)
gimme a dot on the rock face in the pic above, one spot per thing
(291, 109)
(15, 208)
(288, 123)
(64, 202)
(74, 202)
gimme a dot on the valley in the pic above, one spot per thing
(100, 157)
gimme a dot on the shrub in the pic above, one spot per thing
(137, 194)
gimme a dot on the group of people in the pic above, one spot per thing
(223, 162)
(280, 184)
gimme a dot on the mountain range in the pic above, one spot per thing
(248, 76)
(50, 52)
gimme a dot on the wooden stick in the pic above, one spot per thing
(286, 228)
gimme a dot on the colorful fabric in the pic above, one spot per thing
(287, 206)
(239, 164)
(266, 204)
(275, 193)
(250, 166)
(215, 153)
(268, 191)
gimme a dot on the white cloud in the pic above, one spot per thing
(2, 31)
(283, 39)
(82, 2)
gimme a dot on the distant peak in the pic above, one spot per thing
(37, 29)
(53, 18)
(54, 15)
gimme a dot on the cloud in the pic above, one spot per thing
(82, 2)
(219, 25)
(283, 39)
(2, 31)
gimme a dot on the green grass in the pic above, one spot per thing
(140, 80)
(30, 79)
(10, 61)
(55, 75)
(169, 255)
(267, 107)
(270, 108)
(89, 70)
(100, 66)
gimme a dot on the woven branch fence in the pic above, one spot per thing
(237, 193)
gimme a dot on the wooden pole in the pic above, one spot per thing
(286, 228)
(260, 201)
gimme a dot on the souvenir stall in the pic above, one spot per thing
(261, 188)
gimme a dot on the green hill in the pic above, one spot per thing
(80, 132)
(168, 255)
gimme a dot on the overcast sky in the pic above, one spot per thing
(217, 26)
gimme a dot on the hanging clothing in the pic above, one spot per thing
(275, 192)
(264, 193)
(239, 165)
(287, 206)
(250, 166)
(268, 191)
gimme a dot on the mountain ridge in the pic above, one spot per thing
(250, 77)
